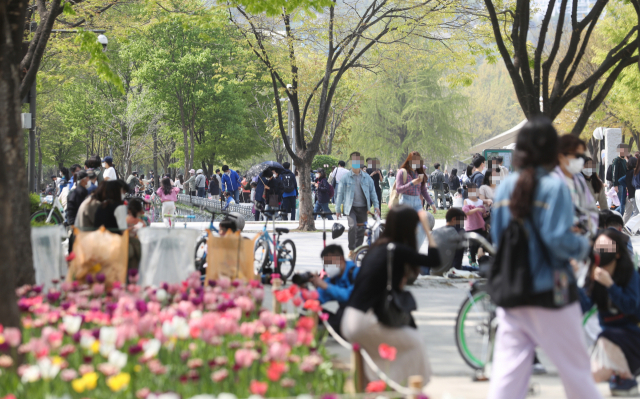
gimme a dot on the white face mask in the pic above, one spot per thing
(104, 165)
(332, 270)
(473, 195)
(575, 166)
(123, 196)
(587, 171)
(415, 166)
(317, 175)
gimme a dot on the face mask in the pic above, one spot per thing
(104, 165)
(317, 175)
(606, 258)
(355, 164)
(575, 166)
(587, 171)
(332, 270)
(415, 166)
(122, 196)
(472, 195)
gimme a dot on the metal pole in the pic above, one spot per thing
(32, 139)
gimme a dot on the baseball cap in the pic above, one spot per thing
(108, 159)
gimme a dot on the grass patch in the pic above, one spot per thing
(385, 210)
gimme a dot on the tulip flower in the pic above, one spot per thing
(258, 388)
(387, 352)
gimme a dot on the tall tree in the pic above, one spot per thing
(544, 71)
(343, 35)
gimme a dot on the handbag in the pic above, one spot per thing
(394, 195)
(397, 307)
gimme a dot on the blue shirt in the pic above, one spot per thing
(340, 287)
(231, 182)
(625, 299)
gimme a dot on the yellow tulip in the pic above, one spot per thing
(78, 385)
(118, 382)
(2, 339)
(57, 360)
(95, 346)
(137, 368)
(90, 380)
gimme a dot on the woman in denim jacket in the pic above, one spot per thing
(552, 316)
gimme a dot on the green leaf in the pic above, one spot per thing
(67, 9)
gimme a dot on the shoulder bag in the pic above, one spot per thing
(394, 195)
(397, 307)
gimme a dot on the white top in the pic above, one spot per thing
(457, 201)
(486, 192)
(178, 184)
(110, 174)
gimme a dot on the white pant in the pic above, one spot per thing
(168, 208)
(558, 332)
(634, 223)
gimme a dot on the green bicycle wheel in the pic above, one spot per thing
(475, 332)
(40, 217)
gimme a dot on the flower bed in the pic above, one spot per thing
(87, 341)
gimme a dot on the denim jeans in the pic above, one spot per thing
(415, 202)
(201, 192)
(236, 195)
(289, 206)
(320, 207)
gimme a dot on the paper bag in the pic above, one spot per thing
(230, 256)
(100, 251)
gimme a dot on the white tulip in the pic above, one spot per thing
(71, 324)
(48, 370)
(86, 341)
(226, 395)
(181, 327)
(161, 295)
(203, 396)
(108, 336)
(106, 349)
(167, 329)
(254, 397)
(151, 348)
(168, 395)
(196, 314)
(31, 374)
(117, 359)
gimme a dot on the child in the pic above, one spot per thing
(228, 200)
(135, 216)
(458, 199)
(226, 226)
(612, 199)
(475, 210)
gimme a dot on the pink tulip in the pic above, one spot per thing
(97, 289)
(85, 369)
(258, 388)
(108, 369)
(153, 307)
(13, 336)
(291, 337)
(219, 375)
(248, 329)
(224, 282)
(279, 351)
(146, 324)
(258, 294)
(245, 303)
(67, 375)
(142, 393)
(246, 357)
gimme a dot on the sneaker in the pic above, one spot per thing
(623, 387)
(538, 368)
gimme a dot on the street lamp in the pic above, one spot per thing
(102, 39)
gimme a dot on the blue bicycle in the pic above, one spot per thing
(285, 261)
(201, 246)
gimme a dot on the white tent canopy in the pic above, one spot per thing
(503, 140)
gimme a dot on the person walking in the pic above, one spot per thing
(231, 182)
(594, 184)
(200, 184)
(325, 193)
(357, 193)
(618, 170)
(373, 170)
(551, 317)
(337, 175)
(168, 195)
(478, 170)
(290, 192)
(109, 171)
(630, 207)
(454, 181)
(437, 183)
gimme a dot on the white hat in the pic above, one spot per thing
(199, 171)
(192, 171)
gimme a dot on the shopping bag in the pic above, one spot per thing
(167, 255)
(230, 256)
(100, 251)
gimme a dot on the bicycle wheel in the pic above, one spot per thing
(359, 254)
(201, 254)
(41, 216)
(286, 258)
(261, 255)
(475, 333)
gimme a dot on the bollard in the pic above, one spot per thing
(357, 367)
(276, 284)
(415, 383)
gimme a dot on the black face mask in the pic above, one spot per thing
(606, 258)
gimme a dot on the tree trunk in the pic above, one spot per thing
(16, 262)
(156, 182)
(39, 178)
(306, 205)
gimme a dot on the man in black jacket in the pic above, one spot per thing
(75, 199)
(289, 193)
(619, 165)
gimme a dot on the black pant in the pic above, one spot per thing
(289, 207)
(473, 247)
(356, 218)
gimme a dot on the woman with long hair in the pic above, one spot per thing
(168, 195)
(364, 315)
(613, 286)
(571, 160)
(454, 181)
(550, 317)
(112, 213)
(324, 193)
(594, 184)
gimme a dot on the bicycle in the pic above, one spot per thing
(50, 216)
(371, 233)
(285, 260)
(476, 323)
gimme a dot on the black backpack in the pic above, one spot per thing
(289, 182)
(510, 281)
(609, 176)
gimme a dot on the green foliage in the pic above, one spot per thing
(88, 42)
(319, 161)
(34, 202)
(275, 7)
(410, 110)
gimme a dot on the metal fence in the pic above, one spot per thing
(214, 205)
